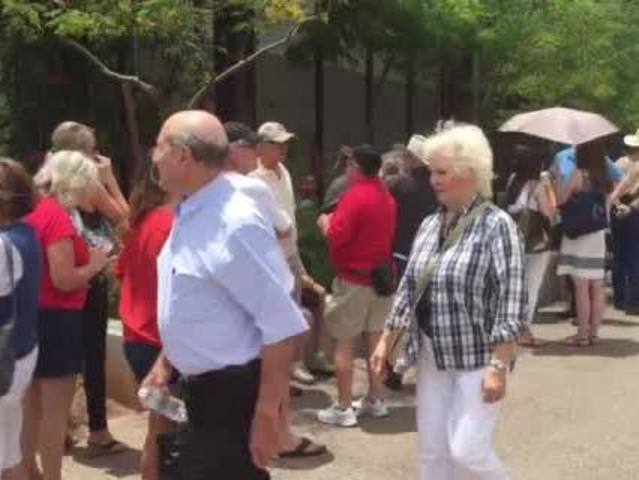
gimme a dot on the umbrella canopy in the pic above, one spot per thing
(562, 125)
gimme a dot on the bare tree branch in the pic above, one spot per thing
(245, 62)
(106, 71)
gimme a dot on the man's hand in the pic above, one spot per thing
(160, 375)
(323, 223)
(264, 442)
(309, 283)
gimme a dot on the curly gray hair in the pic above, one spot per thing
(67, 175)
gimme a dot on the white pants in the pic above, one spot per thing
(455, 425)
(11, 412)
(536, 266)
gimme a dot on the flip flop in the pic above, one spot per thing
(302, 450)
(113, 447)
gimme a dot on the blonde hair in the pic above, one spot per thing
(469, 151)
(73, 136)
(67, 175)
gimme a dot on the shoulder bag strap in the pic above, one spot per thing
(8, 251)
(424, 279)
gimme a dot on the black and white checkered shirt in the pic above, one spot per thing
(477, 295)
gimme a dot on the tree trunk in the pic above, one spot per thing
(409, 106)
(369, 108)
(209, 30)
(317, 166)
(133, 135)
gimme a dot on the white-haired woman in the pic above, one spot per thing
(462, 302)
(66, 181)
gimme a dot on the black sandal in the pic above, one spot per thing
(302, 450)
(113, 447)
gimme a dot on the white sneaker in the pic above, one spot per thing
(377, 408)
(336, 415)
(302, 375)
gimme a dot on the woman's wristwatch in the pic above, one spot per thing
(498, 365)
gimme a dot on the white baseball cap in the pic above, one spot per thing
(274, 132)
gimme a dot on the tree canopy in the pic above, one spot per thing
(513, 54)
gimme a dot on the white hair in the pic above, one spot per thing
(67, 175)
(469, 151)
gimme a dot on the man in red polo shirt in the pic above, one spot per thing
(360, 236)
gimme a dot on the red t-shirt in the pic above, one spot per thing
(52, 224)
(137, 271)
(362, 230)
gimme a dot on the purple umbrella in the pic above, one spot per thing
(562, 125)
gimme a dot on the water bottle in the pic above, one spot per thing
(163, 403)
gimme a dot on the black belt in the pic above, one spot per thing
(224, 373)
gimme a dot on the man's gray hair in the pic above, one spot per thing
(207, 152)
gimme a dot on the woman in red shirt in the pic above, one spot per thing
(151, 219)
(66, 181)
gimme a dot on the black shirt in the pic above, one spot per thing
(415, 201)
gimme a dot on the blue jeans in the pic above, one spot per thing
(625, 271)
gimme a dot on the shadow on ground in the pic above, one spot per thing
(607, 347)
(400, 420)
(617, 322)
(552, 318)
(118, 465)
(311, 399)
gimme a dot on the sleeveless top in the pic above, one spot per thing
(27, 289)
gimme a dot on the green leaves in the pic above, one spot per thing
(23, 18)
(580, 54)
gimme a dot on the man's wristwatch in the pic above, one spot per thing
(498, 365)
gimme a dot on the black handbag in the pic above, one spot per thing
(384, 278)
(7, 351)
(535, 228)
(584, 213)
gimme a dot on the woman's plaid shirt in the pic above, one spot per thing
(477, 292)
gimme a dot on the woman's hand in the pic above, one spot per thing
(380, 357)
(493, 386)
(99, 259)
(105, 169)
(622, 210)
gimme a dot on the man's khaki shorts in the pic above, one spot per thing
(355, 309)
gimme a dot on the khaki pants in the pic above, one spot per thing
(355, 309)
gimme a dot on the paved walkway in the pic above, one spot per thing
(570, 414)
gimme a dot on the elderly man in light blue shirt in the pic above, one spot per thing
(225, 312)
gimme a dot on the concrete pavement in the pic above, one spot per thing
(570, 414)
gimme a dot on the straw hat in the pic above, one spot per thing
(416, 146)
(632, 140)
